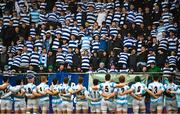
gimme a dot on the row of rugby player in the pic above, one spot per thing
(103, 97)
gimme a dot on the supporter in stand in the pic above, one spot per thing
(92, 26)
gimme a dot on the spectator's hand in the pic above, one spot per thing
(107, 97)
(144, 69)
(168, 91)
(94, 100)
(6, 84)
(79, 69)
(121, 93)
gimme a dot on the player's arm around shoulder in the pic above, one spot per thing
(55, 91)
(121, 84)
(177, 90)
(4, 86)
(35, 92)
(129, 90)
(160, 92)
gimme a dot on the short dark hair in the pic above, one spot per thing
(18, 82)
(80, 80)
(156, 77)
(55, 81)
(170, 79)
(95, 81)
(5, 79)
(66, 80)
(137, 79)
(121, 79)
(107, 77)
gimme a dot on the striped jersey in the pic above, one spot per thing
(102, 70)
(123, 58)
(56, 99)
(19, 98)
(103, 31)
(29, 89)
(29, 45)
(55, 44)
(43, 59)
(60, 58)
(123, 19)
(42, 18)
(131, 17)
(68, 58)
(139, 45)
(73, 43)
(39, 44)
(65, 48)
(139, 18)
(112, 71)
(34, 58)
(172, 44)
(85, 63)
(66, 32)
(117, 17)
(113, 31)
(172, 60)
(138, 88)
(25, 58)
(15, 21)
(91, 18)
(5, 92)
(79, 18)
(167, 71)
(170, 87)
(129, 42)
(178, 48)
(121, 99)
(25, 17)
(81, 93)
(163, 44)
(10, 62)
(155, 87)
(6, 19)
(95, 45)
(85, 42)
(42, 88)
(17, 61)
(109, 19)
(166, 17)
(151, 58)
(108, 88)
(32, 32)
(52, 17)
(66, 90)
(95, 94)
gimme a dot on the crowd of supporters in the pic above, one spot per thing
(94, 36)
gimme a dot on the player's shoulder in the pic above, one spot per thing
(113, 84)
(44, 85)
(126, 86)
(166, 85)
(90, 89)
(143, 84)
(56, 86)
(161, 84)
(151, 84)
(133, 85)
(101, 85)
(9, 86)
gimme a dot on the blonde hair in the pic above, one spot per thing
(43, 78)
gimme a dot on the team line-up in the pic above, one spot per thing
(100, 97)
